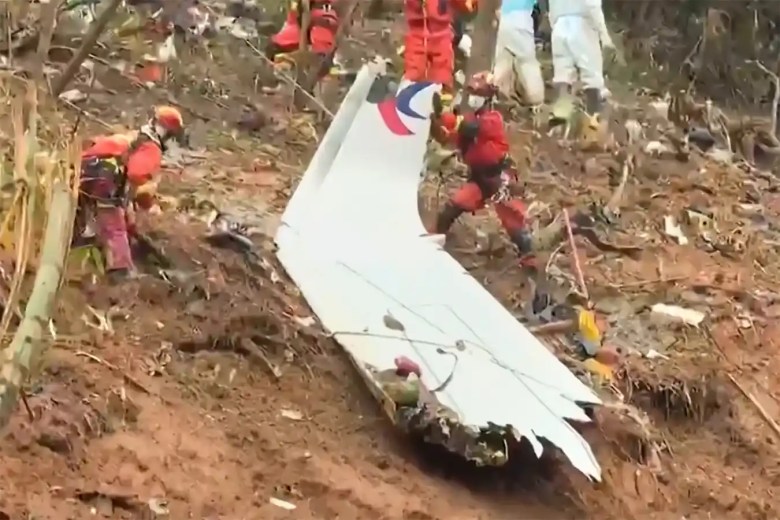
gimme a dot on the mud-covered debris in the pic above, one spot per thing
(654, 354)
(657, 149)
(157, 364)
(720, 155)
(253, 120)
(702, 222)
(226, 232)
(269, 149)
(293, 415)
(687, 316)
(73, 95)
(283, 504)
(101, 320)
(120, 409)
(702, 138)
(158, 507)
(634, 131)
(672, 229)
(105, 503)
(392, 323)
(307, 321)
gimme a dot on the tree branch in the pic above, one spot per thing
(776, 98)
(97, 28)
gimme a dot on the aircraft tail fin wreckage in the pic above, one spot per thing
(445, 359)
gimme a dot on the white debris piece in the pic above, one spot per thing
(672, 229)
(687, 316)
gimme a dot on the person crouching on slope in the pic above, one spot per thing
(117, 169)
(323, 26)
(516, 52)
(428, 44)
(579, 32)
(480, 137)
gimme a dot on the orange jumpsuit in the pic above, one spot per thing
(428, 50)
(109, 168)
(324, 24)
(481, 139)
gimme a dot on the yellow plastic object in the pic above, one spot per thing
(400, 50)
(588, 329)
(599, 369)
(563, 108)
(284, 61)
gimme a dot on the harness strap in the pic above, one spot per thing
(115, 166)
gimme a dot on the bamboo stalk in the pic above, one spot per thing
(26, 350)
(26, 183)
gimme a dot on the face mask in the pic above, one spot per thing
(161, 132)
(476, 102)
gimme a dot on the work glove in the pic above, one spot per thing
(145, 195)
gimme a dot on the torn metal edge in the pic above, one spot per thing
(438, 424)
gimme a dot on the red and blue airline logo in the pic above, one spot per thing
(391, 108)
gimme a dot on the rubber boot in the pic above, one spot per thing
(446, 218)
(563, 104)
(523, 241)
(593, 132)
(593, 101)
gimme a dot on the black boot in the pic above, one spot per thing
(593, 101)
(121, 275)
(562, 105)
(523, 241)
(446, 218)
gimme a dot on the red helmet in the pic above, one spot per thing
(482, 84)
(169, 118)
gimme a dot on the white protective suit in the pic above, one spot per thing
(516, 52)
(579, 32)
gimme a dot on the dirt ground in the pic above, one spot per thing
(208, 393)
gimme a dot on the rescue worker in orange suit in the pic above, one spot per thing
(481, 140)
(117, 170)
(323, 26)
(428, 45)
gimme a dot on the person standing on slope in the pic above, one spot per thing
(428, 44)
(579, 33)
(323, 26)
(480, 137)
(516, 52)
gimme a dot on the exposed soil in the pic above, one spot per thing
(212, 392)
